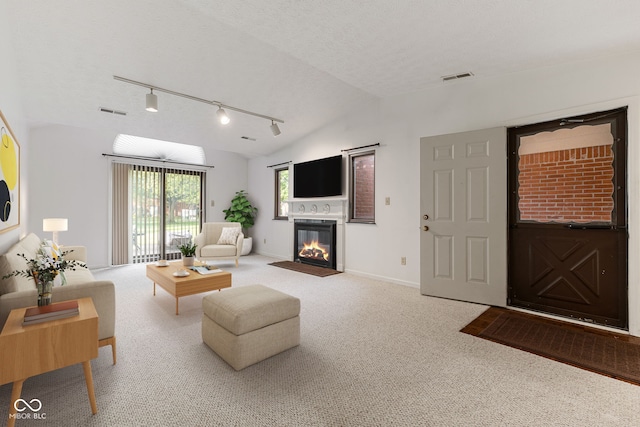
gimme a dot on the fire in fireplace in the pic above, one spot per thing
(315, 242)
(314, 251)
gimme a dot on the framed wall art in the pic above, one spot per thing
(9, 178)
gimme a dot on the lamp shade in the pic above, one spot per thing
(55, 224)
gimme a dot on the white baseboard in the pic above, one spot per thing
(278, 257)
(354, 272)
(383, 278)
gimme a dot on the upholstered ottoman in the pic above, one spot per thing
(249, 324)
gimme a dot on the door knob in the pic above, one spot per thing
(425, 228)
(425, 217)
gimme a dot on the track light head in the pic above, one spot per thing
(274, 128)
(222, 116)
(152, 102)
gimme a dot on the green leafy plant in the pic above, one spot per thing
(188, 249)
(241, 211)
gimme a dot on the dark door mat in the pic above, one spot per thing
(306, 268)
(606, 353)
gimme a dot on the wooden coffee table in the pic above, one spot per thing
(192, 284)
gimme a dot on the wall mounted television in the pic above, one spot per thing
(318, 178)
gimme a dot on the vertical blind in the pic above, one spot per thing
(120, 219)
(155, 210)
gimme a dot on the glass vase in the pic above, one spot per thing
(44, 292)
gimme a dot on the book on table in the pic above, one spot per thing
(53, 311)
(206, 269)
(57, 316)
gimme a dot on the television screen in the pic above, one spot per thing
(318, 178)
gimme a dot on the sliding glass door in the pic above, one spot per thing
(155, 210)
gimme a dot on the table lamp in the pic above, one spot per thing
(54, 225)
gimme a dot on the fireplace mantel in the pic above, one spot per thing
(332, 208)
(320, 208)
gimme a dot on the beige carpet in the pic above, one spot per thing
(371, 354)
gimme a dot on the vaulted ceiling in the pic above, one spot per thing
(306, 62)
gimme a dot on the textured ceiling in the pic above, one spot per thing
(305, 62)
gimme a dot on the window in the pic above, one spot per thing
(136, 146)
(282, 193)
(155, 210)
(363, 185)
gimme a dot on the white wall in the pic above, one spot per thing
(69, 178)
(229, 175)
(270, 237)
(366, 245)
(398, 124)
(11, 107)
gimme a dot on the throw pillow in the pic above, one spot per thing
(50, 248)
(9, 284)
(229, 236)
(10, 262)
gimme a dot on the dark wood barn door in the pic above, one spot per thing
(568, 218)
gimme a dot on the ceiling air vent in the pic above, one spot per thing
(248, 138)
(110, 111)
(457, 76)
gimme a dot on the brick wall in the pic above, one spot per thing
(573, 185)
(364, 176)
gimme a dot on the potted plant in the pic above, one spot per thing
(188, 251)
(243, 212)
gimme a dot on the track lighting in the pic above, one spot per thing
(152, 102)
(222, 116)
(274, 128)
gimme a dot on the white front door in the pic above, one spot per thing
(463, 244)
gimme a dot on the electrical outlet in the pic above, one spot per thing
(387, 201)
(403, 260)
(265, 241)
(212, 203)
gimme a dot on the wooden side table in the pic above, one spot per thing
(35, 349)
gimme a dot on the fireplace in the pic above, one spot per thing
(314, 242)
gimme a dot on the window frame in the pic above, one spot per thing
(352, 189)
(277, 201)
(143, 186)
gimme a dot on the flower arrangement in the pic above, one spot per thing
(44, 269)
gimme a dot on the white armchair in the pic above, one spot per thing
(218, 241)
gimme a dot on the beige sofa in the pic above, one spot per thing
(18, 291)
(211, 248)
